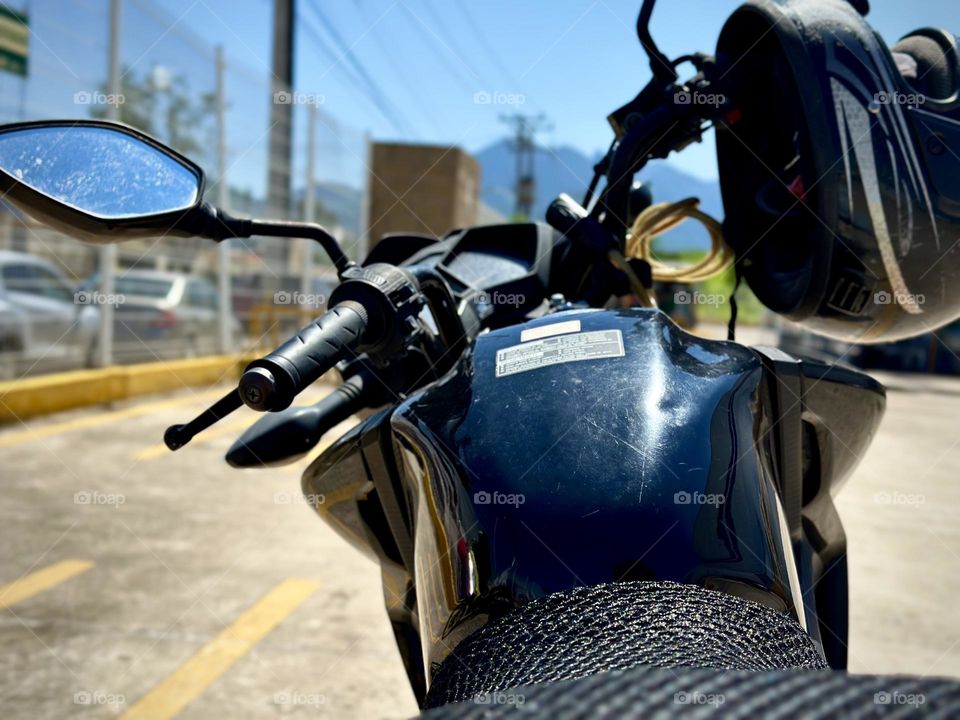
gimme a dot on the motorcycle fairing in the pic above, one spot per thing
(665, 463)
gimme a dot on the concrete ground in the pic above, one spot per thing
(175, 547)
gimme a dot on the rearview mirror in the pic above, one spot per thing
(104, 182)
(99, 181)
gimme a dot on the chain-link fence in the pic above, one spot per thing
(213, 105)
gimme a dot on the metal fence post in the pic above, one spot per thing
(363, 240)
(108, 253)
(309, 202)
(225, 303)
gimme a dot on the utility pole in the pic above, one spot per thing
(281, 110)
(108, 252)
(525, 128)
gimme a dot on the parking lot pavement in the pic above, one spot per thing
(900, 512)
(155, 581)
(151, 584)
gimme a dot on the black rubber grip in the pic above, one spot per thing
(282, 437)
(272, 382)
(566, 215)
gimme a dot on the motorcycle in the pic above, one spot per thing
(554, 485)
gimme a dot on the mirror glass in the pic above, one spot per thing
(102, 171)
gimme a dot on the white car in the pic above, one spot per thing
(42, 326)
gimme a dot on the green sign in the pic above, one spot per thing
(13, 41)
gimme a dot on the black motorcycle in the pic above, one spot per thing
(555, 483)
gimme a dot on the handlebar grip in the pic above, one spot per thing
(564, 213)
(569, 217)
(283, 437)
(272, 382)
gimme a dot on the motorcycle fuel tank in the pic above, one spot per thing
(587, 447)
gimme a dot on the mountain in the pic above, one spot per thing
(558, 169)
(566, 169)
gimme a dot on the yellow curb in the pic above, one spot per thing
(34, 396)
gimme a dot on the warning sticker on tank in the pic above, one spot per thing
(557, 350)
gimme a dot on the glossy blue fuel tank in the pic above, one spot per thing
(587, 447)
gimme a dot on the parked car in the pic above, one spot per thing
(42, 325)
(163, 315)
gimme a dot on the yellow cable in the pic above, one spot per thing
(662, 217)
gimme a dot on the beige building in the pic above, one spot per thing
(421, 188)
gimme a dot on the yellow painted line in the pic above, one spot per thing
(28, 434)
(216, 657)
(36, 582)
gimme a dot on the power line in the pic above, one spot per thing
(431, 39)
(485, 45)
(390, 112)
(398, 71)
(361, 78)
(437, 19)
(320, 43)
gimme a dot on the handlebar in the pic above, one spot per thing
(272, 382)
(375, 310)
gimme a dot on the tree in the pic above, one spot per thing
(165, 108)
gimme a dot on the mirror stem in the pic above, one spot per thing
(309, 231)
(208, 221)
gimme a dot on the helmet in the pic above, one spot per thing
(839, 168)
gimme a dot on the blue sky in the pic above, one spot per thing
(575, 60)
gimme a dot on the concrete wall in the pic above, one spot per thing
(422, 189)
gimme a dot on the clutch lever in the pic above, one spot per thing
(177, 436)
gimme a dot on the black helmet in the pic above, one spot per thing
(840, 168)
